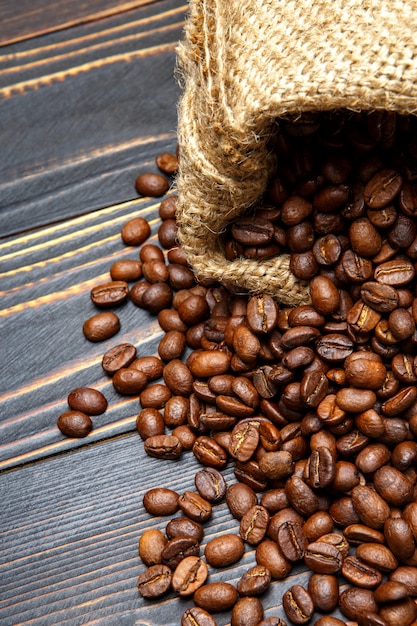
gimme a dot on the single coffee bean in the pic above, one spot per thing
(240, 498)
(167, 234)
(184, 527)
(196, 507)
(395, 488)
(371, 508)
(210, 484)
(117, 357)
(324, 591)
(224, 550)
(167, 163)
(378, 556)
(254, 581)
(247, 612)
(190, 574)
(355, 601)
(210, 363)
(298, 605)
(399, 537)
(253, 524)
(110, 294)
(152, 366)
(178, 378)
(149, 423)
(155, 396)
(317, 525)
(135, 231)
(163, 447)
(161, 501)
(382, 188)
(177, 549)
(360, 573)
(400, 612)
(301, 496)
(209, 452)
(354, 400)
(292, 541)
(75, 424)
(216, 597)
(127, 270)
(151, 545)
(101, 326)
(391, 591)
(151, 185)
(129, 381)
(359, 533)
(269, 555)
(323, 558)
(196, 616)
(324, 295)
(244, 441)
(87, 400)
(155, 581)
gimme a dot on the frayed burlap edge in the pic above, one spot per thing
(243, 64)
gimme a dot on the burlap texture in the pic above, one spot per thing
(245, 63)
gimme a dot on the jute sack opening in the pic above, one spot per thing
(245, 63)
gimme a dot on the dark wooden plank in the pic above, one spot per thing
(70, 527)
(32, 18)
(81, 114)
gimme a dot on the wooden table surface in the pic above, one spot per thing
(87, 100)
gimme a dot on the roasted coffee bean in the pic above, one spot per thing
(196, 616)
(399, 537)
(151, 545)
(175, 411)
(209, 452)
(163, 447)
(87, 400)
(190, 574)
(117, 357)
(101, 326)
(155, 297)
(254, 581)
(209, 363)
(149, 423)
(155, 581)
(254, 524)
(126, 270)
(328, 620)
(262, 312)
(372, 457)
(155, 271)
(408, 576)
(216, 597)
(320, 469)
(109, 294)
(359, 533)
(178, 378)
(247, 612)
(317, 525)
(292, 541)
(210, 484)
(151, 185)
(155, 396)
(129, 381)
(338, 541)
(75, 424)
(360, 573)
(395, 488)
(167, 163)
(135, 231)
(183, 526)
(355, 602)
(252, 231)
(324, 592)
(276, 465)
(382, 188)
(244, 441)
(301, 496)
(177, 549)
(391, 591)
(224, 550)
(240, 498)
(378, 556)
(196, 507)
(167, 234)
(298, 605)
(371, 508)
(161, 501)
(269, 555)
(380, 297)
(323, 558)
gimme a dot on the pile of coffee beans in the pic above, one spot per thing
(314, 407)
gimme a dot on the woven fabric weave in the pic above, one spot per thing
(245, 63)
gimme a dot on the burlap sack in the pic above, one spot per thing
(245, 63)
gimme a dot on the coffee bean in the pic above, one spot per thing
(292, 541)
(253, 524)
(149, 423)
(135, 231)
(298, 605)
(184, 527)
(355, 601)
(360, 573)
(151, 366)
(216, 597)
(190, 574)
(210, 484)
(323, 558)
(400, 612)
(224, 550)
(129, 381)
(163, 447)
(371, 508)
(117, 357)
(196, 616)
(167, 163)
(155, 581)
(161, 501)
(87, 400)
(155, 396)
(399, 537)
(109, 294)
(247, 612)
(196, 507)
(378, 556)
(269, 555)
(240, 498)
(209, 452)
(101, 326)
(324, 592)
(254, 581)
(151, 185)
(244, 441)
(391, 591)
(75, 424)
(382, 188)
(127, 270)
(177, 549)
(151, 545)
